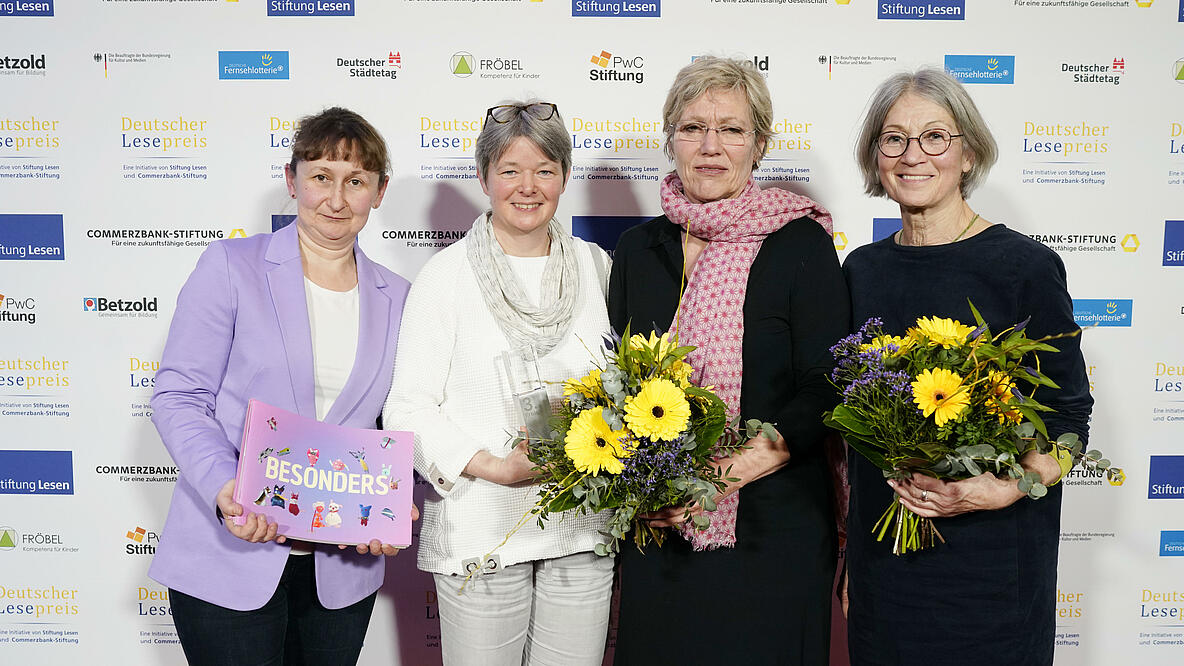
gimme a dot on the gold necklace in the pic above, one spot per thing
(972, 221)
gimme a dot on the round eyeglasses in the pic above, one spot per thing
(933, 142)
(504, 113)
(694, 132)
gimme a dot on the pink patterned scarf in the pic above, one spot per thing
(711, 314)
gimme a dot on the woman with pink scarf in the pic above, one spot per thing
(762, 300)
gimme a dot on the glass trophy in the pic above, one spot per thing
(528, 391)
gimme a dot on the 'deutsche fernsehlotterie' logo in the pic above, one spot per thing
(981, 68)
(253, 65)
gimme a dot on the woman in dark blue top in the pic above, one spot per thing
(987, 595)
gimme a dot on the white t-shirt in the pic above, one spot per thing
(333, 317)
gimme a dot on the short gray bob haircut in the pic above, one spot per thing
(716, 73)
(549, 135)
(944, 90)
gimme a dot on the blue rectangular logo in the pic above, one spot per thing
(36, 473)
(981, 68)
(310, 7)
(1173, 243)
(922, 10)
(604, 230)
(252, 64)
(1102, 311)
(883, 227)
(26, 8)
(1165, 479)
(1181, 19)
(280, 221)
(31, 238)
(616, 8)
(1171, 543)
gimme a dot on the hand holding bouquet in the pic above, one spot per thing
(944, 400)
(636, 436)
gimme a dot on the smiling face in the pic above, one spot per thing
(708, 169)
(915, 180)
(523, 186)
(333, 199)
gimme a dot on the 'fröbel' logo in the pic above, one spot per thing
(461, 64)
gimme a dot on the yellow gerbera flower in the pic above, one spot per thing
(940, 392)
(659, 411)
(588, 385)
(593, 446)
(661, 346)
(1001, 387)
(945, 332)
(903, 344)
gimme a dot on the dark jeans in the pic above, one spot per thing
(291, 629)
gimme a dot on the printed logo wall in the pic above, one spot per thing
(122, 161)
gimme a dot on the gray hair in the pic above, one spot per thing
(947, 92)
(715, 73)
(549, 135)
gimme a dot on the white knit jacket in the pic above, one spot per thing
(450, 389)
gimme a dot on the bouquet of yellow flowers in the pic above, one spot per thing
(944, 400)
(635, 435)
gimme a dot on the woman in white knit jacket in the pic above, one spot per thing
(517, 278)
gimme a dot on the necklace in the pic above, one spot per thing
(972, 221)
(900, 234)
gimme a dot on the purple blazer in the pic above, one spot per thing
(241, 331)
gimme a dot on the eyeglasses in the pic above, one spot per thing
(695, 132)
(504, 113)
(933, 142)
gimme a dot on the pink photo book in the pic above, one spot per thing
(323, 482)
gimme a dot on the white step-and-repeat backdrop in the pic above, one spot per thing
(133, 132)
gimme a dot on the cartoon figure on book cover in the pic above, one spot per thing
(360, 456)
(262, 496)
(292, 508)
(318, 515)
(277, 497)
(365, 517)
(313, 456)
(334, 518)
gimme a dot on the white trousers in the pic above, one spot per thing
(547, 613)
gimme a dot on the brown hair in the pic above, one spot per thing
(340, 134)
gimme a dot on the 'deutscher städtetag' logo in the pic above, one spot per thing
(383, 66)
(981, 68)
(1105, 72)
(26, 8)
(310, 7)
(922, 10)
(620, 9)
(252, 65)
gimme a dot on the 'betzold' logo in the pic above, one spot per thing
(981, 68)
(310, 7)
(922, 10)
(252, 64)
(619, 9)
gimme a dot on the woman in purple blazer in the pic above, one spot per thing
(300, 319)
